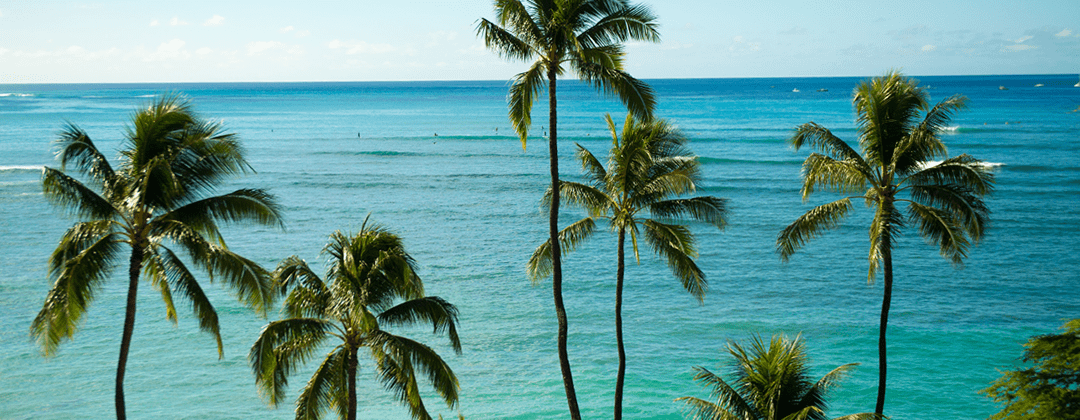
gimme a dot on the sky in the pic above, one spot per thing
(367, 40)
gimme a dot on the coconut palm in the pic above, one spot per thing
(367, 273)
(647, 169)
(156, 201)
(587, 37)
(768, 383)
(895, 169)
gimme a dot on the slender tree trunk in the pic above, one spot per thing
(350, 368)
(618, 325)
(556, 252)
(129, 325)
(886, 257)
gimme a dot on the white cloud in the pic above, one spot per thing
(4, 51)
(1018, 47)
(1064, 33)
(177, 22)
(217, 20)
(203, 51)
(154, 22)
(360, 47)
(674, 46)
(742, 45)
(1023, 38)
(286, 29)
(171, 50)
(928, 48)
(258, 47)
(1, 13)
(301, 34)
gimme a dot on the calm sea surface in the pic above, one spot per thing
(437, 162)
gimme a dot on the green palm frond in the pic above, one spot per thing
(85, 266)
(963, 170)
(400, 359)
(843, 176)
(182, 281)
(250, 281)
(282, 347)
(885, 227)
(155, 269)
(539, 265)
(526, 88)
(70, 194)
(593, 200)
(594, 171)
(76, 148)
(941, 228)
(638, 96)
(254, 205)
(810, 225)
(676, 244)
(711, 210)
(441, 314)
(326, 388)
(704, 410)
(622, 24)
(822, 140)
(517, 18)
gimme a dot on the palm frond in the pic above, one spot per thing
(76, 148)
(398, 358)
(729, 403)
(184, 282)
(708, 209)
(638, 96)
(70, 194)
(539, 265)
(823, 141)
(590, 165)
(503, 42)
(517, 19)
(963, 170)
(942, 229)
(676, 244)
(623, 24)
(923, 144)
(810, 225)
(253, 205)
(250, 282)
(88, 257)
(282, 347)
(441, 314)
(884, 228)
(587, 197)
(526, 88)
(843, 176)
(326, 388)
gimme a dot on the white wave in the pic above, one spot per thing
(934, 163)
(951, 129)
(21, 168)
(18, 95)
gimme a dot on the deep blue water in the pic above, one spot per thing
(467, 203)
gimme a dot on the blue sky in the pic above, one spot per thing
(364, 40)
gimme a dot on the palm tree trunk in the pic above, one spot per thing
(350, 369)
(618, 325)
(886, 257)
(129, 326)
(556, 253)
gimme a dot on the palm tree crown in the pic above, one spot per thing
(585, 35)
(768, 383)
(156, 199)
(898, 137)
(368, 274)
(648, 168)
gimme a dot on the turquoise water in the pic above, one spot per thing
(467, 203)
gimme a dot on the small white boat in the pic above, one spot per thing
(796, 90)
(1077, 84)
(1002, 88)
(1038, 85)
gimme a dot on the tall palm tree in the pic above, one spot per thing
(895, 168)
(156, 199)
(586, 36)
(368, 272)
(768, 383)
(647, 169)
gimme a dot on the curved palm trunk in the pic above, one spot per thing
(886, 256)
(129, 327)
(556, 253)
(618, 326)
(350, 368)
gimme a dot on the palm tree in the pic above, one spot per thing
(896, 167)
(768, 384)
(646, 170)
(587, 36)
(367, 272)
(170, 163)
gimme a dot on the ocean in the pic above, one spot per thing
(438, 163)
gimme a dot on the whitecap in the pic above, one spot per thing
(21, 168)
(951, 129)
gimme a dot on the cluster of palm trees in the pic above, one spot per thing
(898, 142)
(159, 199)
